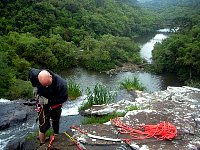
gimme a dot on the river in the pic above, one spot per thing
(88, 79)
(152, 82)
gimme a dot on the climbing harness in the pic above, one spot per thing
(161, 131)
(41, 112)
(55, 106)
(38, 107)
(43, 116)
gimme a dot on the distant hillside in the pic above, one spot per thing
(75, 19)
(163, 5)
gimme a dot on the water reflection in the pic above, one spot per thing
(90, 79)
(146, 49)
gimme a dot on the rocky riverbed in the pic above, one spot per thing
(177, 105)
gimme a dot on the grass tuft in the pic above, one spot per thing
(100, 95)
(132, 84)
(74, 89)
(101, 119)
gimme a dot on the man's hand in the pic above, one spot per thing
(42, 100)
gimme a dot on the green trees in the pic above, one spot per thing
(179, 54)
(7, 74)
(19, 52)
(62, 34)
(108, 51)
(99, 17)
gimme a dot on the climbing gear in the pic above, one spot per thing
(80, 147)
(55, 106)
(38, 107)
(42, 100)
(102, 138)
(161, 131)
(50, 143)
(41, 112)
(94, 136)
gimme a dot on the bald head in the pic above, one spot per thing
(45, 78)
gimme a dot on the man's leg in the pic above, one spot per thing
(42, 137)
(44, 123)
(55, 116)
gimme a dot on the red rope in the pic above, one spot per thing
(161, 131)
(50, 143)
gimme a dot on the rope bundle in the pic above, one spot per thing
(161, 131)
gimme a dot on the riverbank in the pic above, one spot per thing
(127, 67)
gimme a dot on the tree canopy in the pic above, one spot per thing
(180, 52)
(96, 34)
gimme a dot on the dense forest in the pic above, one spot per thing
(180, 53)
(59, 34)
(94, 34)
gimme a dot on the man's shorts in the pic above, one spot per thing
(46, 113)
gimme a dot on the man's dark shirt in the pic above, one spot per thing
(56, 93)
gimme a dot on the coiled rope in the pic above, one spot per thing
(161, 131)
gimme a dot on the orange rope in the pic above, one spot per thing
(161, 131)
(51, 141)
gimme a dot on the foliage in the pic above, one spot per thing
(132, 84)
(193, 83)
(179, 54)
(101, 119)
(176, 13)
(49, 132)
(95, 34)
(74, 19)
(133, 107)
(21, 89)
(7, 75)
(100, 95)
(108, 51)
(74, 90)
(49, 34)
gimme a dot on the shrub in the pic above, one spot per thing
(133, 84)
(21, 89)
(100, 95)
(73, 89)
(101, 119)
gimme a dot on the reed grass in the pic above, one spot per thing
(74, 89)
(100, 95)
(132, 84)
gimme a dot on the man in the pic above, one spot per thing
(51, 92)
